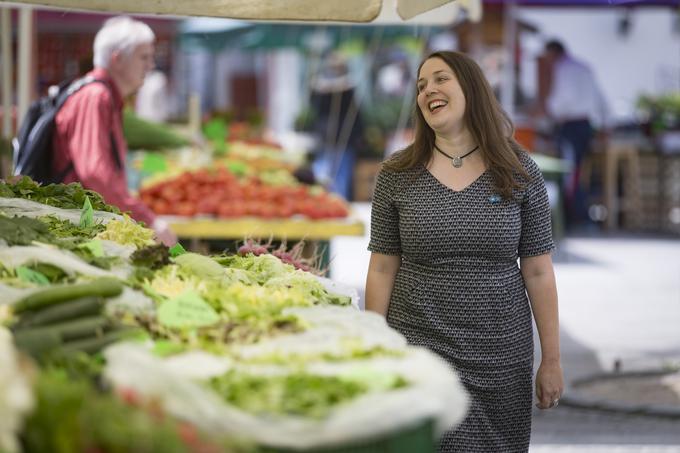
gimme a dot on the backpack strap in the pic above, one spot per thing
(61, 99)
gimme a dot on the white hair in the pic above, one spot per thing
(119, 34)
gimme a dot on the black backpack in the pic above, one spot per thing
(33, 146)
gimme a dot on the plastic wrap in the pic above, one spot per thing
(340, 288)
(66, 261)
(434, 391)
(331, 331)
(16, 397)
(28, 208)
(71, 264)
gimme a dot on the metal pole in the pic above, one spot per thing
(509, 39)
(25, 46)
(6, 55)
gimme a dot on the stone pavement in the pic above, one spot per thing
(619, 301)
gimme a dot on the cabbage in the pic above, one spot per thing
(170, 282)
(264, 267)
(307, 285)
(127, 232)
(199, 265)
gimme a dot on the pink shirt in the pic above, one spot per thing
(83, 129)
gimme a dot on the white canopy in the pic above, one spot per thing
(297, 10)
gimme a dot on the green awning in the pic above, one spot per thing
(302, 36)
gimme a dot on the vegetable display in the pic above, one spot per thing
(220, 193)
(59, 195)
(238, 346)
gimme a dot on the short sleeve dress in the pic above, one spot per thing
(460, 293)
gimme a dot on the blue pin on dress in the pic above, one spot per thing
(495, 199)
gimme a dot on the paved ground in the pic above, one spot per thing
(619, 301)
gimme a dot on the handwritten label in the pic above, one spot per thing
(164, 348)
(186, 311)
(177, 250)
(95, 246)
(87, 214)
(31, 276)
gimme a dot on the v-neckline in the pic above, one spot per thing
(477, 179)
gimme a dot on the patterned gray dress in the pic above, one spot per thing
(460, 293)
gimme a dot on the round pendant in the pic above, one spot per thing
(457, 162)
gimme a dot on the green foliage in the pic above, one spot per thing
(66, 230)
(143, 134)
(663, 111)
(127, 232)
(67, 196)
(54, 231)
(23, 230)
(71, 417)
(298, 394)
(151, 257)
(216, 132)
(199, 265)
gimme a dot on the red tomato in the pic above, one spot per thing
(268, 210)
(225, 211)
(185, 208)
(160, 206)
(207, 206)
(238, 208)
(285, 210)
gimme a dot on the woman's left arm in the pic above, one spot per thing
(539, 280)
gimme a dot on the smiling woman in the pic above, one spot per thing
(445, 242)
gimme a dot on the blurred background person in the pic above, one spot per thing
(337, 124)
(577, 107)
(89, 145)
(151, 102)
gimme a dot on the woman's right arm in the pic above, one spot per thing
(382, 270)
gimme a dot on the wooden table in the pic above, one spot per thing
(282, 229)
(315, 233)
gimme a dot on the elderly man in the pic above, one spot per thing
(88, 141)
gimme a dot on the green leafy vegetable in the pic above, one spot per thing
(68, 231)
(199, 265)
(23, 230)
(264, 266)
(297, 394)
(70, 417)
(67, 196)
(152, 256)
(127, 232)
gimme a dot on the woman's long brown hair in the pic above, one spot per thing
(489, 125)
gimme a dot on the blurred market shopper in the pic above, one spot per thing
(452, 212)
(151, 102)
(338, 125)
(576, 105)
(89, 146)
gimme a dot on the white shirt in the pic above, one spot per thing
(575, 94)
(152, 98)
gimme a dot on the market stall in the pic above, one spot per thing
(113, 342)
(236, 189)
(177, 351)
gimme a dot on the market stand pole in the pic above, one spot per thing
(25, 79)
(7, 63)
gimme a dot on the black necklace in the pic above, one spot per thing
(457, 161)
